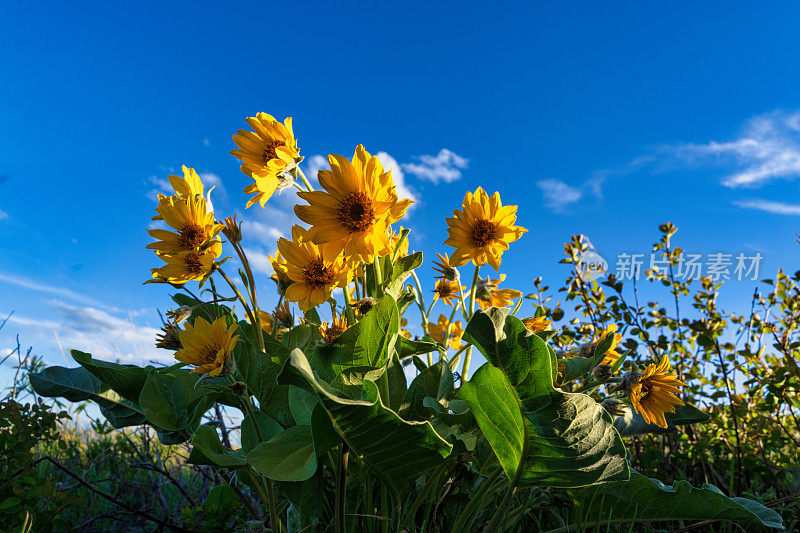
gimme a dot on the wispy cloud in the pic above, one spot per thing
(776, 208)
(767, 149)
(3, 214)
(30, 284)
(446, 166)
(559, 195)
(92, 330)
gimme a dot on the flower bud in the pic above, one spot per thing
(614, 406)
(364, 305)
(239, 388)
(180, 314)
(602, 372)
(169, 337)
(233, 230)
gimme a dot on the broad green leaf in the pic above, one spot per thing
(631, 423)
(221, 501)
(394, 448)
(172, 400)
(288, 456)
(266, 426)
(301, 403)
(125, 380)
(362, 351)
(208, 450)
(400, 271)
(77, 385)
(571, 441)
(645, 499)
(498, 410)
(427, 383)
(398, 385)
(325, 436)
(407, 347)
(259, 372)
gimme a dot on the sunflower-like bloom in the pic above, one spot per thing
(315, 270)
(447, 271)
(356, 208)
(437, 331)
(267, 322)
(611, 355)
(482, 231)
(488, 295)
(654, 392)
(188, 266)
(537, 323)
(447, 291)
(404, 332)
(194, 225)
(337, 326)
(188, 186)
(207, 346)
(169, 337)
(266, 154)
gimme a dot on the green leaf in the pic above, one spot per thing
(362, 351)
(392, 447)
(259, 372)
(571, 441)
(645, 499)
(631, 423)
(266, 425)
(400, 271)
(172, 400)
(221, 501)
(407, 347)
(498, 410)
(208, 450)
(398, 385)
(288, 456)
(77, 385)
(427, 383)
(301, 403)
(125, 380)
(325, 436)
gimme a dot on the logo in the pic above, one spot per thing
(592, 266)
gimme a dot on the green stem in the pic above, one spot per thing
(239, 494)
(304, 178)
(385, 508)
(499, 514)
(341, 487)
(251, 282)
(240, 297)
(378, 277)
(468, 354)
(434, 477)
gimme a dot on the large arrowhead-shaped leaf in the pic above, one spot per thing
(260, 370)
(172, 400)
(567, 440)
(78, 384)
(400, 271)
(125, 380)
(644, 499)
(362, 351)
(392, 447)
(288, 456)
(427, 383)
(208, 450)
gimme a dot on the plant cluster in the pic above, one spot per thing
(332, 432)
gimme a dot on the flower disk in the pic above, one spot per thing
(483, 229)
(266, 153)
(207, 346)
(355, 210)
(654, 393)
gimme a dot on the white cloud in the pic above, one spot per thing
(314, 164)
(160, 186)
(206, 142)
(403, 190)
(558, 194)
(30, 284)
(94, 331)
(445, 166)
(776, 208)
(768, 149)
(259, 260)
(264, 233)
(209, 180)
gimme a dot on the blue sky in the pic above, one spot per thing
(602, 119)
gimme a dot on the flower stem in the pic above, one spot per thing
(241, 299)
(303, 177)
(251, 282)
(341, 487)
(468, 353)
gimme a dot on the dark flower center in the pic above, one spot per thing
(483, 233)
(193, 263)
(191, 236)
(333, 332)
(317, 274)
(269, 150)
(356, 212)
